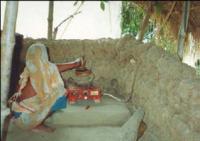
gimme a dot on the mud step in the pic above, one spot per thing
(126, 132)
(107, 113)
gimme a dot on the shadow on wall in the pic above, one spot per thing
(17, 64)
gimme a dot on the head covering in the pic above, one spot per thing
(43, 74)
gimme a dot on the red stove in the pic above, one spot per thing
(80, 87)
(75, 94)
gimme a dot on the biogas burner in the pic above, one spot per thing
(80, 86)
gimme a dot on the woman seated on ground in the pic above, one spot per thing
(41, 90)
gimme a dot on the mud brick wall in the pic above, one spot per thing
(168, 90)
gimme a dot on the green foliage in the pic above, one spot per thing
(131, 19)
(76, 2)
(166, 43)
(102, 4)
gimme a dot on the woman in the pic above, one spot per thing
(41, 90)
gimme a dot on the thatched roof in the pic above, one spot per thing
(175, 16)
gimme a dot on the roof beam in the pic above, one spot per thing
(183, 29)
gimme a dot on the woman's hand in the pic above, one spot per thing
(83, 61)
(80, 62)
(14, 98)
(77, 62)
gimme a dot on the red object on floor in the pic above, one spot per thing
(83, 93)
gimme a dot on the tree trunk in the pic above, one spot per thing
(144, 25)
(7, 45)
(50, 20)
(183, 28)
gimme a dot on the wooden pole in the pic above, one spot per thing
(183, 29)
(7, 46)
(50, 20)
(144, 24)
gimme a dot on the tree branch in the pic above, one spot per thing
(144, 24)
(70, 17)
(166, 19)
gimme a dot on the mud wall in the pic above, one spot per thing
(168, 90)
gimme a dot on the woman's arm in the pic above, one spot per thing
(68, 66)
(27, 91)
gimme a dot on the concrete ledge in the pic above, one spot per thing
(126, 132)
(108, 113)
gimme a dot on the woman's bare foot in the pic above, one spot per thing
(43, 128)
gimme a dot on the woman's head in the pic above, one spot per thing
(36, 56)
(37, 51)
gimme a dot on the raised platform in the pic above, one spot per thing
(87, 113)
(106, 121)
